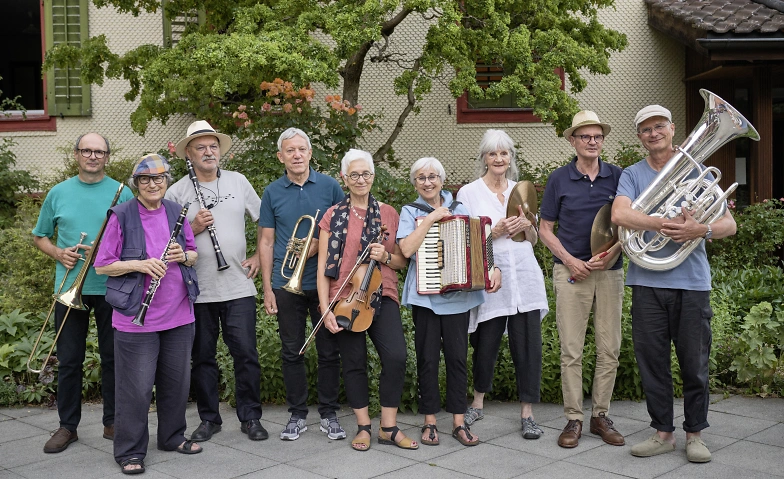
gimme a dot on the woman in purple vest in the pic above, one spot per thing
(158, 352)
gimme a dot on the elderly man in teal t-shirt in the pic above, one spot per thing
(75, 206)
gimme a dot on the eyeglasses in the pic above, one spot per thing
(86, 152)
(145, 180)
(658, 128)
(201, 148)
(366, 175)
(431, 178)
(588, 138)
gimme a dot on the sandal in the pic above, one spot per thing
(473, 414)
(134, 461)
(187, 448)
(405, 443)
(432, 439)
(468, 441)
(362, 441)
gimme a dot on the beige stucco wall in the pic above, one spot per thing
(650, 70)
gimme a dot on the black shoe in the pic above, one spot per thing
(205, 431)
(254, 430)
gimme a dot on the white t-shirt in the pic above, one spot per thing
(522, 283)
(233, 197)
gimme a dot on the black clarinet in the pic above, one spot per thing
(222, 264)
(138, 320)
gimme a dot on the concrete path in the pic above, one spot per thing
(746, 439)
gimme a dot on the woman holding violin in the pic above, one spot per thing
(440, 320)
(360, 224)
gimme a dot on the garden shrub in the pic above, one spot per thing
(758, 241)
(13, 182)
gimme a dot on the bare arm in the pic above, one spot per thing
(66, 256)
(323, 283)
(411, 243)
(624, 215)
(264, 248)
(577, 267)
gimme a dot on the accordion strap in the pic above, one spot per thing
(429, 209)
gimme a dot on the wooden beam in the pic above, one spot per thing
(762, 119)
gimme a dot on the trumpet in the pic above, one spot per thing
(73, 296)
(297, 255)
(683, 181)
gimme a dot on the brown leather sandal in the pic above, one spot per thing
(432, 439)
(468, 440)
(405, 443)
(358, 441)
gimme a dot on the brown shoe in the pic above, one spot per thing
(108, 432)
(60, 440)
(603, 426)
(571, 434)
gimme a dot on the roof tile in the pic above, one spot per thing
(722, 16)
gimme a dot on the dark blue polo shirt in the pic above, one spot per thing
(572, 199)
(282, 204)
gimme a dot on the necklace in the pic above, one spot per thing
(361, 218)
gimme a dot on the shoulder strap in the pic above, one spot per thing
(429, 209)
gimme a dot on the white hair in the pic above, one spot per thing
(427, 162)
(291, 133)
(353, 155)
(494, 140)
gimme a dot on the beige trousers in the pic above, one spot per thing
(601, 291)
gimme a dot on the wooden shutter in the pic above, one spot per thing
(66, 23)
(173, 28)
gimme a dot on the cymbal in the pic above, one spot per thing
(604, 234)
(523, 194)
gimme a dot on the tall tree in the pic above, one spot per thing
(218, 65)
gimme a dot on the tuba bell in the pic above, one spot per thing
(683, 181)
(297, 255)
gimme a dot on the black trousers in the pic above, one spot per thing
(236, 319)
(386, 332)
(432, 331)
(292, 311)
(525, 344)
(661, 315)
(71, 347)
(162, 359)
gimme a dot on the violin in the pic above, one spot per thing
(355, 313)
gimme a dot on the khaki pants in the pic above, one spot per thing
(602, 291)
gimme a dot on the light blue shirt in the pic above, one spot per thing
(454, 302)
(694, 273)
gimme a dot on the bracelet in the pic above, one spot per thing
(389, 258)
(186, 259)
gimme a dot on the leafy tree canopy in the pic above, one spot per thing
(218, 65)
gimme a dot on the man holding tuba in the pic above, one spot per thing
(76, 205)
(227, 302)
(670, 305)
(300, 192)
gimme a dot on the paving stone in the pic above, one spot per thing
(501, 462)
(344, 462)
(736, 426)
(215, 462)
(773, 436)
(282, 470)
(752, 457)
(565, 469)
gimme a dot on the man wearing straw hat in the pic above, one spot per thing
(227, 302)
(573, 196)
(76, 205)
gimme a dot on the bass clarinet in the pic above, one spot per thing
(138, 320)
(222, 264)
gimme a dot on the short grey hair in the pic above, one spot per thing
(135, 187)
(427, 162)
(291, 133)
(353, 155)
(497, 140)
(79, 140)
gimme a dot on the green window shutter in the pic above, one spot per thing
(173, 28)
(66, 23)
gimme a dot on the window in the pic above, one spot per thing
(173, 28)
(32, 28)
(501, 110)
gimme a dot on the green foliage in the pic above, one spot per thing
(759, 358)
(627, 155)
(8, 395)
(760, 234)
(13, 183)
(306, 43)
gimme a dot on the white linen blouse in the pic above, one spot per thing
(522, 284)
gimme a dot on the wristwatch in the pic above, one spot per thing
(186, 259)
(709, 233)
(389, 258)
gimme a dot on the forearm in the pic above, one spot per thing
(724, 227)
(193, 256)
(46, 246)
(553, 243)
(119, 268)
(624, 215)
(411, 243)
(264, 249)
(399, 260)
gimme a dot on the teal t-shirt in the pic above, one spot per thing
(73, 207)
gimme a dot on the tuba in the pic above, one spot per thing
(684, 182)
(297, 255)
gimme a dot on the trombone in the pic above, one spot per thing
(73, 296)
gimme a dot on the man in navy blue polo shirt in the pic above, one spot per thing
(300, 191)
(573, 196)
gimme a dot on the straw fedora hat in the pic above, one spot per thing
(585, 118)
(201, 128)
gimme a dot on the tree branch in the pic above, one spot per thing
(401, 119)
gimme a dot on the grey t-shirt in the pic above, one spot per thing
(233, 197)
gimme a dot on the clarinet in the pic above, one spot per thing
(222, 264)
(138, 320)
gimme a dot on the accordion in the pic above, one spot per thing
(456, 255)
